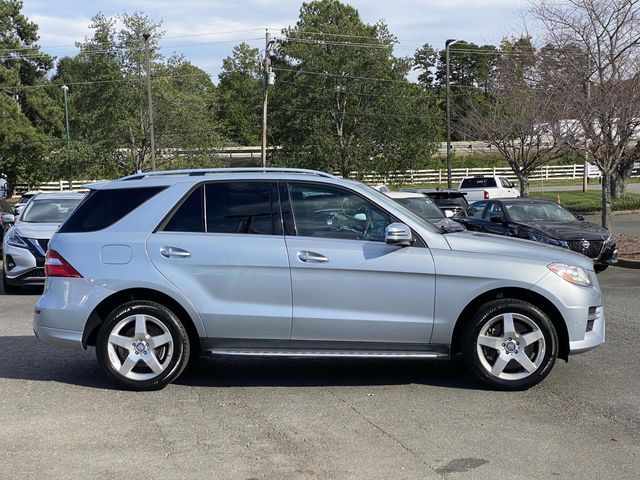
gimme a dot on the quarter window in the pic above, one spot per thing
(324, 211)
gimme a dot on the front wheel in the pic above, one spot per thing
(510, 345)
(600, 268)
(143, 346)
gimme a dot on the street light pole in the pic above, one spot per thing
(447, 44)
(152, 136)
(65, 89)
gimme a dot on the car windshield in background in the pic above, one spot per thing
(538, 212)
(422, 207)
(49, 211)
(478, 182)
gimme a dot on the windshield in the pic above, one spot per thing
(384, 200)
(49, 211)
(423, 207)
(538, 212)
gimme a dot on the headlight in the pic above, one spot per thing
(548, 240)
(575, 275)
(16, 240)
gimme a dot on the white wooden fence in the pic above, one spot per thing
(410, 177)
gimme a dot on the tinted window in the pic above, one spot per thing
(506, 183)
(478, 182)
(240, 207)
(324, 211)
(102, 208)
(189, 217)
(451, 201)
(49, 211)
(494, 210)
(476, 209)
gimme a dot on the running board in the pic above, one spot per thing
(250, 352)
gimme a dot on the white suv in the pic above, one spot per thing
(157, 267)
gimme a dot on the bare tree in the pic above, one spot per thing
(598, 93)
(517, 118)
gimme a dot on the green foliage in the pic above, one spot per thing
(110, 115)
(347, 108)
(589, 201)
(240, 96)
(29, 119)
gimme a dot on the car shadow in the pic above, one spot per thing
(26, 358)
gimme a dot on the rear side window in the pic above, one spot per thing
(102, 208)
(189, 217)
(478, 182)
(240, 207)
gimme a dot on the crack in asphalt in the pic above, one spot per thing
(385, 433)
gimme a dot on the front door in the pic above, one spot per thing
(348, 285)
(224, 249)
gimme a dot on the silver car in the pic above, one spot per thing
(25, 243)
(155, 268)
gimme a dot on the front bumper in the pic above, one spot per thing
(608, 256)
(23, 266)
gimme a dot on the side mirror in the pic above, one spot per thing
(8, 219)
(448, 213)
(497, 219)
(398, 234)
(580, 217)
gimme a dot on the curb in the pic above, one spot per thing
(628, 263)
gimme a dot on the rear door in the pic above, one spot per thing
(224, 249)
(348, 284)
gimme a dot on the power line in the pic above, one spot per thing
(335, 75)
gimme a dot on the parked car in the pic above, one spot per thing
(6, 217)
(481, 187)
(450, 201)
(426, 209)
(19, 206)
(545, 222)
(25, 244)
(157, 267)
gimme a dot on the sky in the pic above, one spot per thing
(205, 31)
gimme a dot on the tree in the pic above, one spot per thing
(240, 96)
(598, 92)
(518, 116)
(109, 108)
(30, 121)
(342, 102)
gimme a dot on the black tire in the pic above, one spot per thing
(8, 288)
(542, 353)
(163, 320)
(600, 268)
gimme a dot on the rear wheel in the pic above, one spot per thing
(510, 345)
(143, 346)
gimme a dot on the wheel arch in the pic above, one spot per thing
(519, 294)
(106, 306)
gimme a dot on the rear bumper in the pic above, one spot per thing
(62, 312)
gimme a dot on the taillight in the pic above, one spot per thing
(486, 195)
(56, 266)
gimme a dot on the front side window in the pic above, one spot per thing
(494, 210)
(329, 212)
(240, 207)
(475, 209)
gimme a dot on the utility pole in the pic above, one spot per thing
(152, 135)
(65, 89)
(269, 79)
(447, 44)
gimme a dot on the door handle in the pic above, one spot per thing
(174, 252)
(311, 257)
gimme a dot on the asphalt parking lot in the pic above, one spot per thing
(294, 419)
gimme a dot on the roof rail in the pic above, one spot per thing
(206, 171)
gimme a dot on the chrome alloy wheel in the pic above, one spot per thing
(140, 347)
(511, 346)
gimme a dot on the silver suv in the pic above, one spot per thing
(156, 268)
